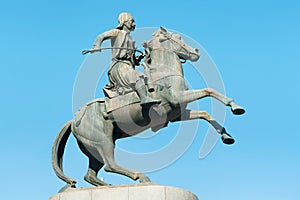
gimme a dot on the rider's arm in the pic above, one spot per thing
(104, 36)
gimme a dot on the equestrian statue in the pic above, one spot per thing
(135, 101)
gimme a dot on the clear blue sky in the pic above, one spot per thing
(254, 44)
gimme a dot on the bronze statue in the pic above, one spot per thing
(99, 123)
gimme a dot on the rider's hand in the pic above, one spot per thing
(140, 57)
(92, 51)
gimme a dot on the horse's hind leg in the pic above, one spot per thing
(195, 114)
(111, 166)
(192, 95)
(94, 167)
(91, 175)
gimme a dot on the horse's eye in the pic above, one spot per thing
(178, 36)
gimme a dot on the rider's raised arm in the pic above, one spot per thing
(104, 36)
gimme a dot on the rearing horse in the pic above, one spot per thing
(96, 128)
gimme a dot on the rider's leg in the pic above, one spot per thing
(142, 91)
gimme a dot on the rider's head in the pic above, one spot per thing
(126, 19)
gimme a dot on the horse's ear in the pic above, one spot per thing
(163, 29)
(145, 44)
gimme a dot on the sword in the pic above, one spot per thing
(105, 48)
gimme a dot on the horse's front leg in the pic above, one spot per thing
(188, 96)
(196, 114)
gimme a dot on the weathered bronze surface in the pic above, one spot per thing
(98, 124)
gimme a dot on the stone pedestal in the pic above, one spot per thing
(147, 191)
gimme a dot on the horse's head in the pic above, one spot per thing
(164, 39)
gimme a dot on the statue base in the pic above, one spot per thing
(145, 191)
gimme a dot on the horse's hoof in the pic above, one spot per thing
(227, 139)
(66, 188)
(144, 179)
(95, 181)
(237, 110)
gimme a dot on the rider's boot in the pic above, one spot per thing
(145, 99)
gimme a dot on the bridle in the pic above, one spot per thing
(179, 47)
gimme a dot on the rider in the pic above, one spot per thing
(122, 74)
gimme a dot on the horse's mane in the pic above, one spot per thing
(156, 33)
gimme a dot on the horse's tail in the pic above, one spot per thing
(58, 152)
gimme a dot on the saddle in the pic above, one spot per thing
(114, 101)
(81, 112)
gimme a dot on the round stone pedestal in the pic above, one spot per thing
(147, 191)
